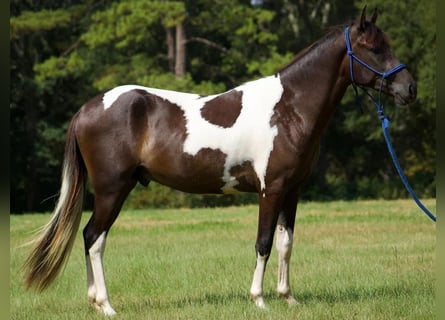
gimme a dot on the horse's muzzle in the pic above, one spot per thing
(404, 94)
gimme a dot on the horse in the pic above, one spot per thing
(262, 137)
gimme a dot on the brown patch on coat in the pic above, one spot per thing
(224, 109)
(246, 177)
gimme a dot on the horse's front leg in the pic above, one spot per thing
(267, 221)
(285, 228)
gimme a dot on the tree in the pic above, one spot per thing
(35, 140)
(65, 52)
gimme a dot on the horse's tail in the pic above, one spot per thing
(54, 242)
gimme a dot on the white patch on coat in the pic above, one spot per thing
(249, 139)
(175, 97)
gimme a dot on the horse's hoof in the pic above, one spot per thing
(291, 301)
(107, 310)
(259, 302)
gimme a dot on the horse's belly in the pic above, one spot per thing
(204, 172)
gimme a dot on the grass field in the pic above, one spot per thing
(351, 260)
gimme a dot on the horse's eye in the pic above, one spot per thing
(376, 50)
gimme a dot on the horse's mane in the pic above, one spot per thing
(332, 32)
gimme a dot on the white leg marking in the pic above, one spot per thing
(256, 291)
(284, 248)
(90, 280)
(101, 301)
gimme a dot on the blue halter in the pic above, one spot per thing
(384, 75)
(382, 116)
(353, 57)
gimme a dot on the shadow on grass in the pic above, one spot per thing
(354, 294)
(206, 299)
(384, 302)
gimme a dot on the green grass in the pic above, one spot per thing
(351, 260)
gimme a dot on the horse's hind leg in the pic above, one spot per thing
(285, 228)
(267, 221)
(107, 206)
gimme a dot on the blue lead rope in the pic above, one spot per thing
(385, 126)
(382, 116)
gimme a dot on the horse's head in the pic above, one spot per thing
(374, 64)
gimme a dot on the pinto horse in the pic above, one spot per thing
(262, 137)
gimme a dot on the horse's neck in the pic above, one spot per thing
(314, 83)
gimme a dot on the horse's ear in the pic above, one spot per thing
(374, 16)
(362, 26)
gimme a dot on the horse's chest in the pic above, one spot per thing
(249, 138)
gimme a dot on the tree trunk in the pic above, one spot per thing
(180, 51)
(170, 48)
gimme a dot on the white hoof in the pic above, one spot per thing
(109, 312)
(259, 302)
(104, 308)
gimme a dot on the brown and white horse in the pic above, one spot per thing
(262, 137)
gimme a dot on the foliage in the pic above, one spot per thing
(134, 23)
(65, 52)
(158, 196)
